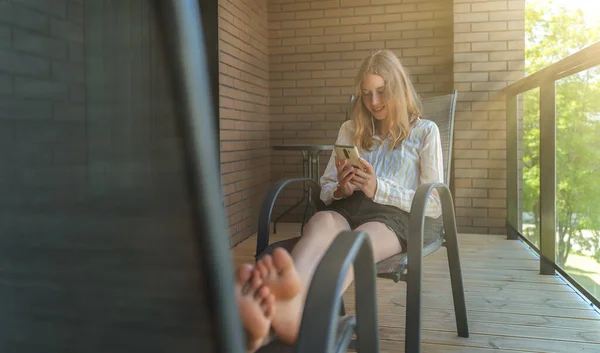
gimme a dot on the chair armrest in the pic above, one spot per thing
(264, 219)
(415, 252)
(318, 329)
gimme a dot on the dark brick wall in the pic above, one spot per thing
(244, 112)
(95, 228)
(42, 81)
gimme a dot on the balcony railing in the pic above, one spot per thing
(553, 167)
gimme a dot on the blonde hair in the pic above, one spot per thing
(400, 98)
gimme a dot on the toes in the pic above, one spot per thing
(262, 293)
(268, 263)
(262, 265)
(268, 306)
(256, 272)
(244, 272)
(260, 269)
(243, 276)
(255, 282)
(282, 259)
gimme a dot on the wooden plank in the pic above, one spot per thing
(546, 345)
(514, 254)
(481, 250)
(519, 272)
(549, 302)
(499, 276)
(499, 264)
(443, 283)
(506, 294)
(466, 258)
(397, 303)
(398, 347)
(397, 318)
(489, 243)
(434, 282)
(586, 335)
(555, 298)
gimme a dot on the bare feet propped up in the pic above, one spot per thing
(256, 305)
(279, 274)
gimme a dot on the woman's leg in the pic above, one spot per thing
(384, 242)
(320, 233)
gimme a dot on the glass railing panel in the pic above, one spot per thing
(578, 177)
(528, 159)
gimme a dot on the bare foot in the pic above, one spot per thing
(256, 305)
(279, 274)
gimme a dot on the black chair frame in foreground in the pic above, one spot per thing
(321, 329)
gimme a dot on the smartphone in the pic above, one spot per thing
(350, 153)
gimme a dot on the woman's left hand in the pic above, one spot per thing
(365, 180)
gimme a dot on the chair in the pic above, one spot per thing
(425, 235)
(126, 250)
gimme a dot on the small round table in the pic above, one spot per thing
(310, 169)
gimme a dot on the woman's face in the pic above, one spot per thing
(373, 95)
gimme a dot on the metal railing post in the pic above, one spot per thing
(512, 193)
(547, 177)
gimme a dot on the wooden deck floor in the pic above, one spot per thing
(511, 308)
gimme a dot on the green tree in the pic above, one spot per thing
(552, 34)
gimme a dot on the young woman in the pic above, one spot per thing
(399, 152)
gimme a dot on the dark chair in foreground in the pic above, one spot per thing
(426, 235)
(125, 249)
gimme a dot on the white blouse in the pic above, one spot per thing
(400, 171)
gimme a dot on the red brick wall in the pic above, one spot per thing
(488, 55)
(316, 48)
(244, 111)
(287, 69)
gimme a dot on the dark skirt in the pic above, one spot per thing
(358, 209)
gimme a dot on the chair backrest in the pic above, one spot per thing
(111, 239)
(349, 108)
(440, 109)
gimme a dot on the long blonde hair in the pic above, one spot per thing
(400, 98)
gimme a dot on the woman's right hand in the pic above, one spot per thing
(345, 172)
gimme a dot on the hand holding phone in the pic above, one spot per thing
(345, 173)
(346, 161)
(349, 153)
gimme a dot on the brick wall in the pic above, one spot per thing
(42, 128)
(244, 113)
(488, 55)
(300, 92)
(316, 48)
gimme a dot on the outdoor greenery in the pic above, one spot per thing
(552, 34)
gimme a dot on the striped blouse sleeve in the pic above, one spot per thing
(329, 179)
(391, 192)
